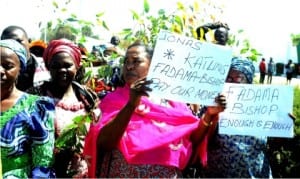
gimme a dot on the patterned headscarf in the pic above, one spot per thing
(18, 49)
(62, 45)
(245, 66)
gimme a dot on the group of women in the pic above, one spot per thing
(136, 135)
(30, 123)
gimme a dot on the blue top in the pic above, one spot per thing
(27, 138)
(271, 68)
(236, 156)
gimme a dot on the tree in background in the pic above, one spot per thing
(72, 27)
(296, 42)
(184, 20)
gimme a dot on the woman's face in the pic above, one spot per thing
(136, 64)
(62, 69)
(9, 68)
(235, 76)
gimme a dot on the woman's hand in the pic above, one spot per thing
(214, 110)
(137, 90)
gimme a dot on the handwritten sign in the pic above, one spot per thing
(187, 70)
(257, 110)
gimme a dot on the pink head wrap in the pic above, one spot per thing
(62, 45)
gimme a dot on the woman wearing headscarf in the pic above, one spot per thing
(37, 47)
(62, 58)
(237, 156)
(31, 77)
(27, 128)
(140, 136)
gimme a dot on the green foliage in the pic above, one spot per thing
(72, 27)
(104, 71)
(72, 136)
(87, 31)
(182, 20)
(296, 110)
(87, 76)
(146, 6)
(295, 39)
(242, 46)
(65, 31)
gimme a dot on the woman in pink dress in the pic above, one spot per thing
(141, 136)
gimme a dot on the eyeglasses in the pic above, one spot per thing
(236, 79)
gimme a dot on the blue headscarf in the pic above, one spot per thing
(18, 49)
(244, 66)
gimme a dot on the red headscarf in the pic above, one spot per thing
(62, 45)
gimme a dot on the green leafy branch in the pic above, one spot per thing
(72, 27)
(242, 46)
(72, 136)
(183, 21)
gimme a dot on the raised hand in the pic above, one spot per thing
(138, 89)
(214, 110)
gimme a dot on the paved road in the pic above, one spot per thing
(281, 80)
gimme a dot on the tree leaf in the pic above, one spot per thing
(146, 6)
(135, 15)
(87, 76)
(66, 139)
(88, 118)
(49, 25)
(180, 6)
(82, 131)
(161, 12)
(74, 15)
(179, 22)
(54, 3)
(100, 14)
(71, 19)
(104, 25)
(78, 119)
(243, 51)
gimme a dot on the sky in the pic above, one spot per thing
(268, 24)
